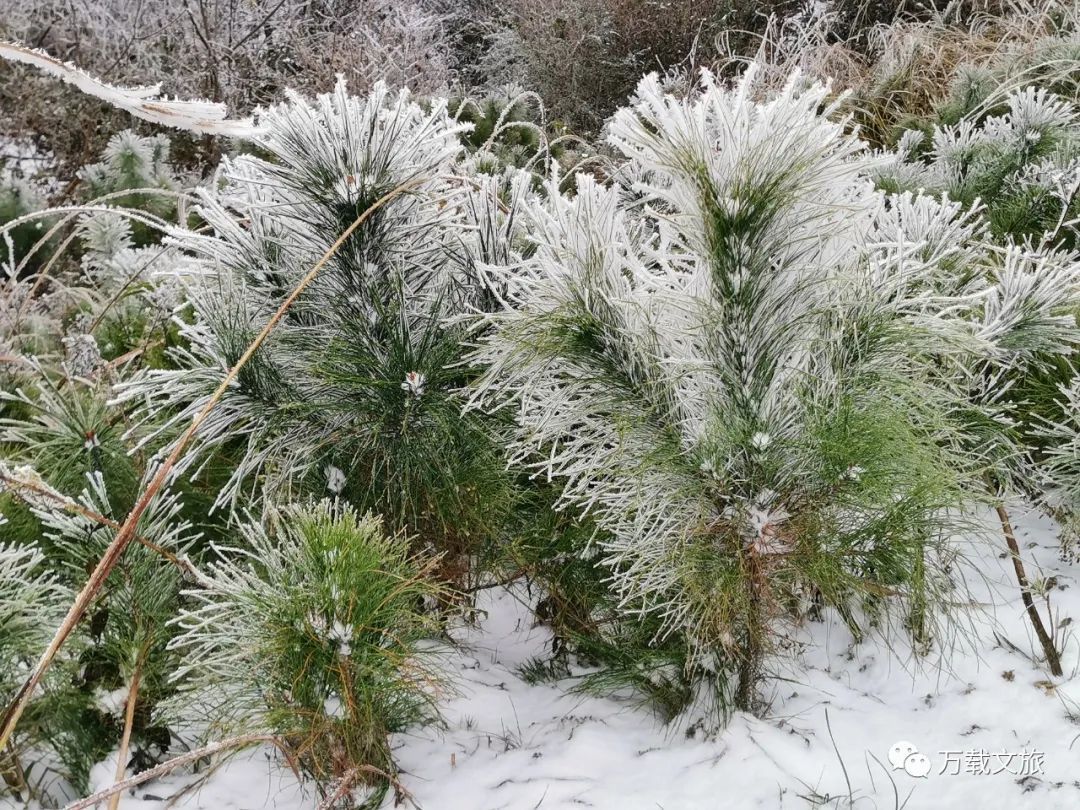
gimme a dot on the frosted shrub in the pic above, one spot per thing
(138, 165)
(243, 54)
(1015, 158)
(308, 629)
(741, 362)
(18, 198)
(1022, 163)
(124, 666)
(29, 598)
(70, 480)
(355, 392)
(68, 278)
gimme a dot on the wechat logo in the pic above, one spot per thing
(904, 756)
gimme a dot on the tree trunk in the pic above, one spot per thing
(1053, 658)
(752, 648)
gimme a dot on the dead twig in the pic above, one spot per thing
(171, 765)
(1053, 657)
(125, 740)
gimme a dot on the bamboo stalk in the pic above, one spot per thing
(126, 533)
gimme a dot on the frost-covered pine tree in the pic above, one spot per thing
(30, 600)
(66, 484)
(311, 628)
(99, 699)
(354, 393)
(124, 665)
(134, 173)
(1018, 157)
(748, 366)
(1013, 155)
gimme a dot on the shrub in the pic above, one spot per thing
(124, 664)
(57, 422)
(134, 164)
(1013, 156)
(355, 392)
(1022, 165)
(309, 629)
(117, 664)
(29, 598)
(584, 57)
(745, 365)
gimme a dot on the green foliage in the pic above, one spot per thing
(1021, 164)
(311, 629)
(507, 124)
(18, 199)
(72, 440)
(132, 168)
(124, 653)
(67, 432)
(29, 607)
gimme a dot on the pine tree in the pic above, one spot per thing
(1019, 158)
(748, 367)
(355, 392)
(29, 604)
(310, 629)
(132, 173)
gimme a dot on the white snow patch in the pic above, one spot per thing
(513, 745)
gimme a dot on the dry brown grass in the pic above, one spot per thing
(906, 68)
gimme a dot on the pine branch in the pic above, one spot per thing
(126, 532)
(23, 488)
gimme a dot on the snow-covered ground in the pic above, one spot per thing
(513, 745)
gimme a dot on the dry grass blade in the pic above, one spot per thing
(170, 765)
(126, 532)
(125, 740)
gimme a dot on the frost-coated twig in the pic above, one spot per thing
(21, 488)
(126, 532)
(203, 117)
(172, 764)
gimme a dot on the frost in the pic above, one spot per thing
(335, 479)
(83, 356)
(26, 484)
(414, 383)
(341, 634)
(204, 117)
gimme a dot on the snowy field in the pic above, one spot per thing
(997, 733)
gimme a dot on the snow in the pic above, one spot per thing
(509, 744)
